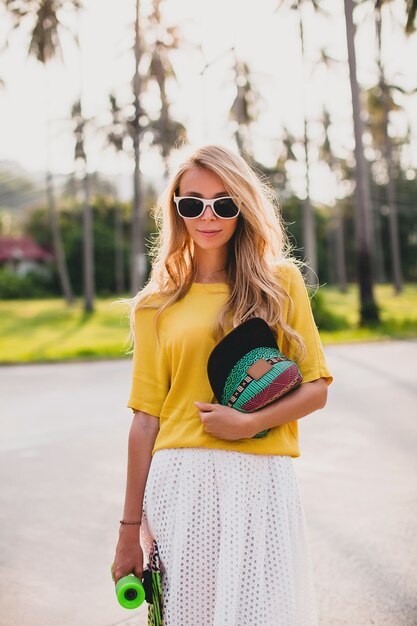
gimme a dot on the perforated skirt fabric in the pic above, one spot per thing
(232, 539)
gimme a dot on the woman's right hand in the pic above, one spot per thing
(128, 558)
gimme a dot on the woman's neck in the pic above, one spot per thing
(216, 277)
(211, 266)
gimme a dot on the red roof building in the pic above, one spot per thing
(22, 248)
(22, 254)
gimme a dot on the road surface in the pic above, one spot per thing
(64, 434)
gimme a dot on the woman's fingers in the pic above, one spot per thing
(205, 406)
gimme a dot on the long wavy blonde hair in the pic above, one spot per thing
(256, 249)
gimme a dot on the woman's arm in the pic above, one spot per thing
(143, 432)
(129, 555)
(298, 403)
(227, 423)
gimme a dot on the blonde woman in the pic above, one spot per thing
(222, 505)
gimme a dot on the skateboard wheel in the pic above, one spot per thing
(130, 592)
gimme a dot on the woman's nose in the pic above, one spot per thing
(208, 212)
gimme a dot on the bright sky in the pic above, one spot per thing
(266, 39)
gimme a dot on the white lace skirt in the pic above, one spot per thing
(232, 539)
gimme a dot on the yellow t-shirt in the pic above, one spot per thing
(167, 381)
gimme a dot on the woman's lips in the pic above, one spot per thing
(209, 233)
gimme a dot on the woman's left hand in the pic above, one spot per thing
(224, 422)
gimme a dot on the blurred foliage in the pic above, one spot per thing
(104, 209)
(325, 318)
(406, 185)
(406, 191)
(31, 285)
(104, 236)
(70, 218)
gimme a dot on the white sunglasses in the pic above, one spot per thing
(191, 208)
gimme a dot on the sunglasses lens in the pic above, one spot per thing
(190, 207)
(226, 208)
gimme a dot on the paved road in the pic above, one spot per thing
(62, 471)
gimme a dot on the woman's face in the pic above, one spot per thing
(203, 183)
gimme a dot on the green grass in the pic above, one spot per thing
(398, 314)
(47, 330)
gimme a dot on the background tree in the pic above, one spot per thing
(45, 45)
(243, 110)
(80, 158)
(326, 154)
(368, 307)
(116, 136)
(71, 217)
(164, 41)
(384, 90)
(154, 42)
(309, 234)
(286, 154)
(138, 266)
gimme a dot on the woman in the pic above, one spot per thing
(222, 505)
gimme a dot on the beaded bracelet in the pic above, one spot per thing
(123, 521)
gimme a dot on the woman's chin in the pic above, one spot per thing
(207, 244)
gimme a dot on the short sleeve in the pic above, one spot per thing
(150, 376)
(314, 364)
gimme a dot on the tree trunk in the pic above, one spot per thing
(81, 157)
(309, 230)
(368, 308)
(338, 241)
(118, 244)
(331, 251)
(240, 109)
(378, 257)
(138, 268)
(391, 192)
(164, 120)
(393, 231)
(340, 250)
(88, 247)
(57, 242)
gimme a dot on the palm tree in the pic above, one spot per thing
(243, 109)
(327, 155)
(309, 228)
(138, 268)
(286, 154)
(337, 167)
(80, 157)
(165, 130)
(368, 308)
(387, 146)
(374, 123)
(44, 46)
(116, 136)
